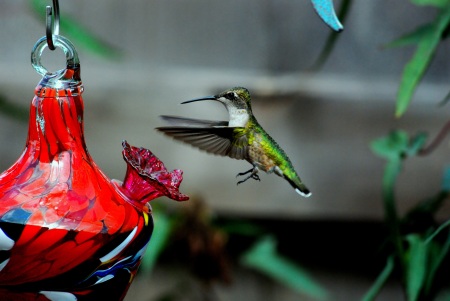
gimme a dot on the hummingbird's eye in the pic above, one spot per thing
(231, 95)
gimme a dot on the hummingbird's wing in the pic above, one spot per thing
(182, 121)
(223, 141)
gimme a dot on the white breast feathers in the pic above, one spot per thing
(238, 117)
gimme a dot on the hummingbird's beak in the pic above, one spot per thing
(200, 99)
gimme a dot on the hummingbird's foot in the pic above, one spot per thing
(256, 177)
(245, 172)
(253, 175)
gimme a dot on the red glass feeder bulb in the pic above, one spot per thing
(67, 232)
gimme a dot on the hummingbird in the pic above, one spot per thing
(241, 137)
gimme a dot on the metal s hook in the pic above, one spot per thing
(52, 23)
(53, 40)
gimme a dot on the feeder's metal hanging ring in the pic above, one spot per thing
(52, 23)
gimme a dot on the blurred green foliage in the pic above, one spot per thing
(419, 244)
(263, 257)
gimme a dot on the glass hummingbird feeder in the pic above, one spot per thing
(67, 232)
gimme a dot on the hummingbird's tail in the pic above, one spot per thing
(299, 187)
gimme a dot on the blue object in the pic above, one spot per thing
(325, 10)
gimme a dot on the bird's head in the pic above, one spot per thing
(238, 98)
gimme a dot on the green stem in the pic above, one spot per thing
(391, 173)
(380, 281)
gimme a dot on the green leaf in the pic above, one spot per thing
(416, 266)
(437, 255)
(391, 146)
(80, 35)
(436, 3)
(380, 281)
(397, 145)
(411, 38)
(264, 258)
(416, 67)
(163, 229)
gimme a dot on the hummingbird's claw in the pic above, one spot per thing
(256, 177)
(245, 172)
(253, 175)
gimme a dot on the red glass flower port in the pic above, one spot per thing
(67, 232)
(147, 178)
